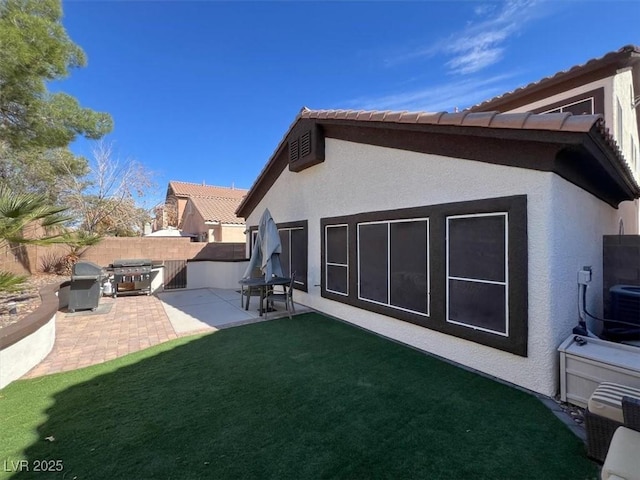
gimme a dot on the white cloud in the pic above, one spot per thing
(443, 97)
(484, 9)
(482, 42)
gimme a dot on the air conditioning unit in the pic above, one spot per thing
(625, 307)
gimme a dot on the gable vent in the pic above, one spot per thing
(305, 144)
(294, 150)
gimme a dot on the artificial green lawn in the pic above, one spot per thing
(304, 398)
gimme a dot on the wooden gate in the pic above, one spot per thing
(175, 274)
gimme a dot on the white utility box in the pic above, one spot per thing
(586, 362)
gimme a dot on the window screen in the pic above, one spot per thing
(585, 107)
(477, 271)
(581, 107)
(373, 263)
(393, 262)
(298, 258)
(293, 257)
(285, 255)
(337, 259)
(408, 259)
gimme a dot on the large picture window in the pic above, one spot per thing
(337, 259)
(477, 272)
(393, 264)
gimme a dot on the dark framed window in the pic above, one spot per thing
(588, 103)
(336, 241)
(582, 107)
(393, 264)
(458, 268)
(477, 272)
(294, 255)
(253, 236)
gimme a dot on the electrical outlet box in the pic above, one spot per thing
(584, 275)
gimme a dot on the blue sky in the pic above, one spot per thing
(205, 90)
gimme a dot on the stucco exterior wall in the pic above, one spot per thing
(359, 178)
(233, 233)
(606, 83)
(623, 95)
(215, 274)
(192, 221)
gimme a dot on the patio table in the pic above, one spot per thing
(263, 285)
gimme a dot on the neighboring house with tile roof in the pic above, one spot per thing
(204, 211)
(213, 219)
(460, 234)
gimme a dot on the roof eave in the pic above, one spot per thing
(571, 133)
(613, 162)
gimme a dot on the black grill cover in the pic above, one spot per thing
(85, 270)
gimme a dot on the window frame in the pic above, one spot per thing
(328, 264)
(516, 298)
(596, 96)
(300, 282)
(505, 284)
(564, 106)
(388, 303)
(290, 229)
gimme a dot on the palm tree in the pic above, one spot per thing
(27, 218)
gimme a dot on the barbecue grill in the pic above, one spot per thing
(84, 291)
(132, 277)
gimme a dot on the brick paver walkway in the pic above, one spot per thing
(134, 323)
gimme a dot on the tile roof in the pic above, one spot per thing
(556, 122)
(185, 189)
(218, 209)
(552, 122)
(619, 58)
(525, 121)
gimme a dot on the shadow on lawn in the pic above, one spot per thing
(302, 398)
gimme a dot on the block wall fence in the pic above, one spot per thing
(32, 259)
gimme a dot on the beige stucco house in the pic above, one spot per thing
(460, 234)
(206, 212)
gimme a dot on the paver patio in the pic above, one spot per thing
(127, 324)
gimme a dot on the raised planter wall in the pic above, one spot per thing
(25, 344)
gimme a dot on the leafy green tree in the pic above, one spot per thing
(36, 49)
(42, 171)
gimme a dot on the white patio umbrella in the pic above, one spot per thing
(266, 249)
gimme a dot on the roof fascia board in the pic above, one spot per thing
(623, 175)
(536, 150)
(272, 170)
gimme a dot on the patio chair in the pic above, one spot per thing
(610, 406)
(247, 291)
(285, 297)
